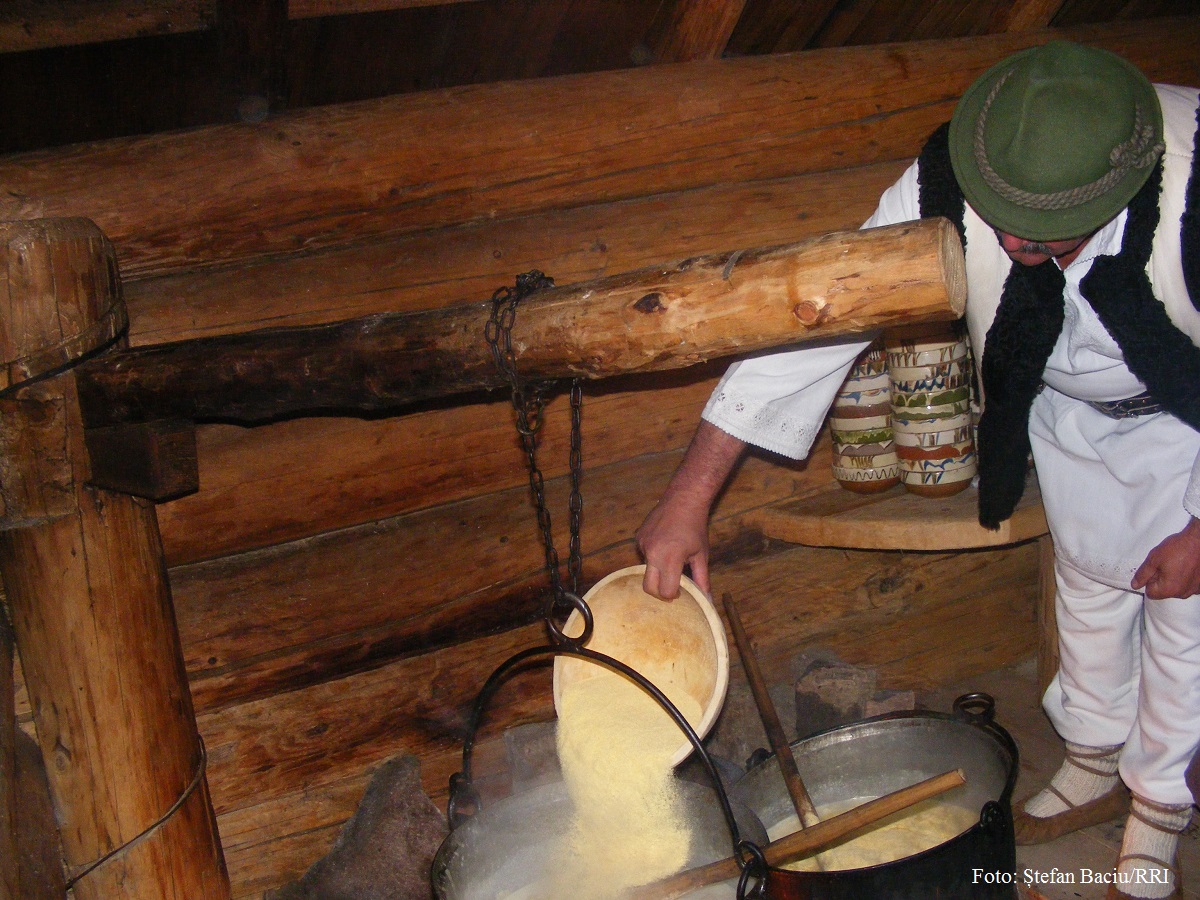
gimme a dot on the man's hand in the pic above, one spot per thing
(675, 534)
(1172, 569)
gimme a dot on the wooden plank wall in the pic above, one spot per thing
(343, 586)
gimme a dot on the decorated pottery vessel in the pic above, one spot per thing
(864, 453)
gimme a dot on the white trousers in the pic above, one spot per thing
(1129, 667)
(1128, 674)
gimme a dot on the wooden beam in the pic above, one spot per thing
(1025, 15)
(839, 28)
(316, 9)
(780, 26)
(655, 319)
(339, 175)
(38, 24)
(441, 268)
(698, 29)
(152, 460)
(38, 340)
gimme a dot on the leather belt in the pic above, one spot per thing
(1141, 405)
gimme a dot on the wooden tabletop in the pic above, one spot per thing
(897, 520)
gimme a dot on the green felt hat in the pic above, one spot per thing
(1054, 141)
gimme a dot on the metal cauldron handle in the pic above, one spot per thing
(463, 794)
(976, 708)
(979, 709)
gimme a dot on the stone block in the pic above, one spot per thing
(830, 693)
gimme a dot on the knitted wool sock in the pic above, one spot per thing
(1086, 774)
(1151, 839)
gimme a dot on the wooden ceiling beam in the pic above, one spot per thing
(41, 24)
(699, 29)
(1025, 15)
(316, 9)
(839, 29)
(339, 175)
(779, 26)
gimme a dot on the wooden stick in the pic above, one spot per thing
(807, 841)
(770, 719)
(653, 319)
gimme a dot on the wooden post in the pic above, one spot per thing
(90, 602)
(9, 872)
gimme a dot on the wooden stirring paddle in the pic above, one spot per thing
(805, 842)
(770, 719)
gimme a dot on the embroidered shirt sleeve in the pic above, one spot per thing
(778, 402)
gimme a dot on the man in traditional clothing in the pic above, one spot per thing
(1073, 184)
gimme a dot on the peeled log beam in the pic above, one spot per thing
(653, 319)
(439, 269)
(339, 175)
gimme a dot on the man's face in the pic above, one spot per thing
(1034, 253)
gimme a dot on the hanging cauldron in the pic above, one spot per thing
(512, 843)
(500, 850)
(876, 756)
(505, 848)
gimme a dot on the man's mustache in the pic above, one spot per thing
(1034, 247)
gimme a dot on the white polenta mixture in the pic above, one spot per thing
(615, 745)
(905, 833)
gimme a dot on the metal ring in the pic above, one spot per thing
(461, 793)
(557, 635)
(755, 867)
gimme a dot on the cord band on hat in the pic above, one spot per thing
(1138, 152)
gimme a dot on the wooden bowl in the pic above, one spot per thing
(678, 645)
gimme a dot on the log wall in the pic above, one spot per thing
(343, 586)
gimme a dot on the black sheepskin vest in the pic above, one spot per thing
(1030, 317)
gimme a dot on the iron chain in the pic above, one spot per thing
(529, 401)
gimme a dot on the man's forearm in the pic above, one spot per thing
(706, 465)
(675, 533)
